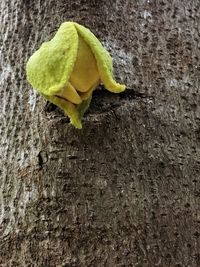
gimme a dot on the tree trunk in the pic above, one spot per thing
(124, 190)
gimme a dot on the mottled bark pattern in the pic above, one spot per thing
(125, 190)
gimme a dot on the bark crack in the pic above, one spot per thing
(103, 101)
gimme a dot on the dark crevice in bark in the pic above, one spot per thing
(128, 94)
(40, 160)
(132, 94)
(49, 107)
(102, 101)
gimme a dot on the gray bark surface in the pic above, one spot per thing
(125, 190)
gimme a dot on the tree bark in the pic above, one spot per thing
(124, 190)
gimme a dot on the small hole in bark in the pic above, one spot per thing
(49, 107)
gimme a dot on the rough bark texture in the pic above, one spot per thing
(125, 190)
